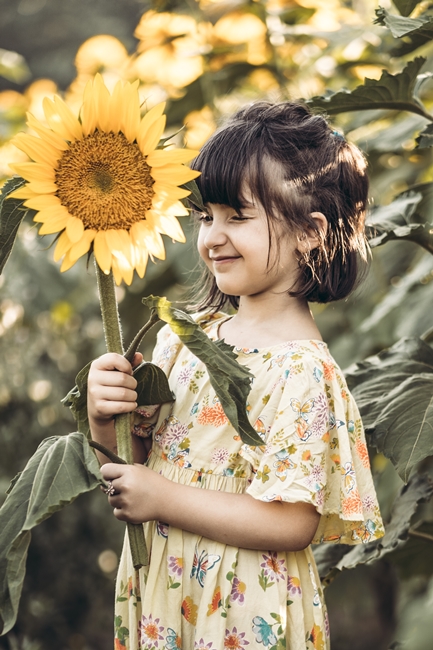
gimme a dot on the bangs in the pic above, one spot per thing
(225, 166)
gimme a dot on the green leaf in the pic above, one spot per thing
(230, 380)
(152, 385)
(415, 557)
(152, 388)
(195, 197)
(331, 559)
(76, 400)
(404, 218)
(11, 215)
(406, 7)
(401, 26)
(397, 295)
(394, 393)
(425, 138)
(61, 468)
(394, 92)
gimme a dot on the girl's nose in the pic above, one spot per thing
(214, 236)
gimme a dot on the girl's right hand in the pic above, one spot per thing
(111, 387)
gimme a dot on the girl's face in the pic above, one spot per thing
(235, 247)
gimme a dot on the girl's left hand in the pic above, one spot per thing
(137, 492)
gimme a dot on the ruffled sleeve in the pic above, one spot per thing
(315, 452)
(164, 355)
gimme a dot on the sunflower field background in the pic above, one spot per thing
(206, 58)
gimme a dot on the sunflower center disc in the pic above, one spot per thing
(105, 181)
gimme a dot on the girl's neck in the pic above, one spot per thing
(261, 322)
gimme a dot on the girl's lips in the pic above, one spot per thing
(224, 260)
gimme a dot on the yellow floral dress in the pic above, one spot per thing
(198, 594)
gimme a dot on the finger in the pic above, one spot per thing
(113, 393)
(119, 514)
(112, 378)
(138, 358)
(106, 409)
(112, 471)
(112, 361)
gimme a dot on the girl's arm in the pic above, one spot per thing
(111, 390)
(234, 519)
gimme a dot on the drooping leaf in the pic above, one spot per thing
(394, 393)
(404, 218)
(62, 468)
(406, 7)
(152, 385)
(393, 92)
(230, 380)
(331, 560)
(195, 197)
(400, 26)
(11, 215)
(152, 388)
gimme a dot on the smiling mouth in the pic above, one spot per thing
(220, 260)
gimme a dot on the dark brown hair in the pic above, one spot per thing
(293, 164)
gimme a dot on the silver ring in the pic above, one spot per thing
(110, 490)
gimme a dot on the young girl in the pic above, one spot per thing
(229, 526)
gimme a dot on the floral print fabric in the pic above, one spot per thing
(198, 594)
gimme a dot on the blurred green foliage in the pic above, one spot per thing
(206, 59)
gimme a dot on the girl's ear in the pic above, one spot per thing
(310, 239)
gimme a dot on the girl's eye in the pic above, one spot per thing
(204, 218)
(239, 217)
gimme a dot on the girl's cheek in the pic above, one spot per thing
(202, 250)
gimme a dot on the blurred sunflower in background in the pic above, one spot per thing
(101, 182)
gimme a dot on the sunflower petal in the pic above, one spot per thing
(101, 100)
(142, 233)
(150, 118)
(148, 138)
(52, 212)
(22, 192)
(55, 120)
(48, 136)
(37, 149)
(32, 171)
(67, 263)
(160, 157)
(116, 107)
(169, 225)
(43, 201)
(62, 247)
(119, 242)
(53, 225)
(81, 247)
(102, 252)
(70, 121)
(116, 273)
(88, 113)
(177, 174)
(126, 271)
(39, 187)
(171, 208)
(74, 229)
(142, 257)
(167, 191)
(131, 117)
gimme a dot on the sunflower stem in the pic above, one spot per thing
(113, 340)
(135, 343)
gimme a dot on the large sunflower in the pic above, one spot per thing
(100, 181)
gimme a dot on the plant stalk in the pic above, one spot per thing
(113, 340)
